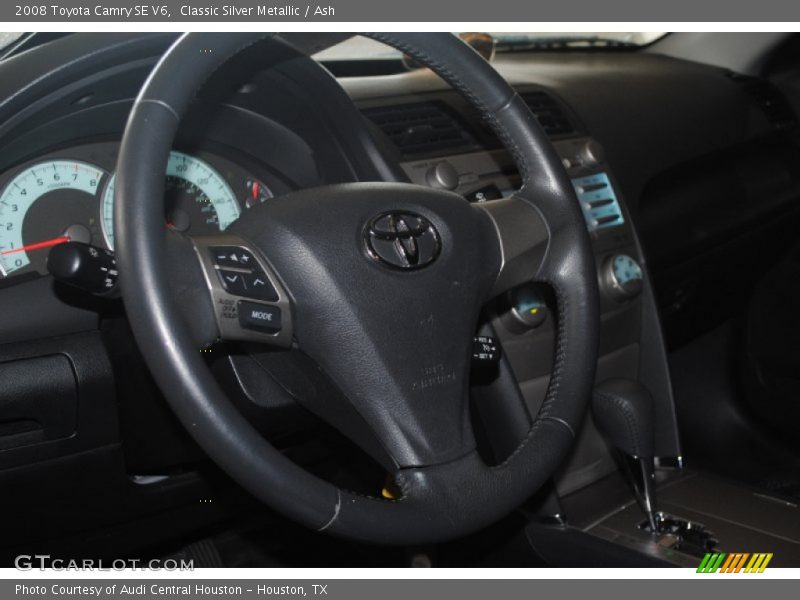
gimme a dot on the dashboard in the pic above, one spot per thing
(668, 174)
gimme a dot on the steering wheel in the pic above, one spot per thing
(381, 284)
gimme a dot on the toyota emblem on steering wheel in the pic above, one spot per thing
(403, 240)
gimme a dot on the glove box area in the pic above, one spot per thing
(38, 401)
(56, 399)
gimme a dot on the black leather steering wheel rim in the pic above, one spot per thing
(440, 501)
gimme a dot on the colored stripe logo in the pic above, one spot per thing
(736, 562)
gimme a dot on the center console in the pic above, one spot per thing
(700, 513)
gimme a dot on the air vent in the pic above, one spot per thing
(422, 128)
(549, 114)
(598, 201)
(768, 99)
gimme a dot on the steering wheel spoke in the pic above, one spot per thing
(387, 281)
(249, 301)
(523, 236)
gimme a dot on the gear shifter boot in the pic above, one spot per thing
(623, 411)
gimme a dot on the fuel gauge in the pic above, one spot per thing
(257, 192)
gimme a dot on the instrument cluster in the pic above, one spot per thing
(69, 196)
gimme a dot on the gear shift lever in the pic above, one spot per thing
(623, 411)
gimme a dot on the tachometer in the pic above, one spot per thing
(196, 197)
(44, 205)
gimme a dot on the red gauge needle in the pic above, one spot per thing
(38, 245)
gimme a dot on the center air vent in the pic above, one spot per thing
(549, 114)
(435, 128)
(421, 128)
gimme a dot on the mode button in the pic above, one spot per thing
(259, 317)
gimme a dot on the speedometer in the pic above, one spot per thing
(197, 199)
(46, 204)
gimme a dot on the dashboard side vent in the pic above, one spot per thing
(768, 99)
(598, 201)
(549, 114)
(421, 128)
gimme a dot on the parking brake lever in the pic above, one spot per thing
(623, 411)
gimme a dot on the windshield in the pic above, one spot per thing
(360, 48)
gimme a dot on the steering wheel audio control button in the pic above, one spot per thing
(259, 287)
(232, 256)
(233, 281)
(248, 284)
(260, 317)
(240, 274)
(249, 301)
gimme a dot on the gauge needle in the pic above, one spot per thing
(38, 245)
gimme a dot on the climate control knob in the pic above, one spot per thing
(621, 277)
